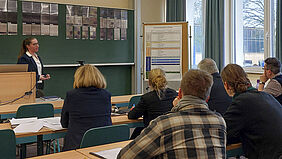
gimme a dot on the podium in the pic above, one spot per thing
(17, 87)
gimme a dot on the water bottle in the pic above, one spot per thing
(257, 86)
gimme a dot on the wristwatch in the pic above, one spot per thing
(261, 82)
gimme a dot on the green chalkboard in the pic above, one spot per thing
(59, 50)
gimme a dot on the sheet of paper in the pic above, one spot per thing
(29, 127)
(52, 120)
(109, 154)
(52, 123)
(22, 120)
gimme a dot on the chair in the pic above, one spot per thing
(7, 144)
(235, 152)
(133, 101)
(105, 135)
(43, 110)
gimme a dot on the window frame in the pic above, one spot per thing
(230, 31)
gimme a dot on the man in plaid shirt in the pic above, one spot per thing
(191, 130)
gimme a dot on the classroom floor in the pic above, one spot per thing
(31, 149)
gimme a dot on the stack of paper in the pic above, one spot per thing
(52, 123)
(109, 154)
(26, 125)
(29, 127)
(22, 120)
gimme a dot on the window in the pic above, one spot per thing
(194, 16)
(253, 31)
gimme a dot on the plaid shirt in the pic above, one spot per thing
(192, 132)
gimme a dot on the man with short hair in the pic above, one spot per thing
(273, 74)
(218, 99)
(190, 130)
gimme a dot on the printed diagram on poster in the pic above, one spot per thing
(163, 49)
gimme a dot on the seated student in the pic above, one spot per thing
(254, 118)
(154, 103)
(272, 72)
(87, 106)
(191, 130)
(218, 99)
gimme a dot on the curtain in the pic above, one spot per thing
(175, 10)
(214, 31)
(279, 31)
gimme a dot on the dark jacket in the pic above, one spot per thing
(32, 67)
(84, 108)
(254, 118)
(279, 79)
(151, 106)
(219, 100)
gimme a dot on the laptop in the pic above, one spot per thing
(13, 68)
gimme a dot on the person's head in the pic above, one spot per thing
(196, 83)
(208, 65)
(87, 76)
(157, 80)
(235, 79)
(29, 44)
(271, 66)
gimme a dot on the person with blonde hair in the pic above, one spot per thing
(87, 106)
(253, 118)
(154, 103)
(189, 130)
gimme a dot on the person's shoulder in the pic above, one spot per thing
(148, 94)
(169, 90)
(106, 92)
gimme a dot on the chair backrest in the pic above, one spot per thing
(235, 152)
(133, 100)
(43, 110)
(105, 135)
(7, 144)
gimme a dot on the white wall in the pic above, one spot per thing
(152, 11)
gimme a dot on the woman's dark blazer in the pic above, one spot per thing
(83, 109)
(32, 67)
(255, 119)
(151, 106)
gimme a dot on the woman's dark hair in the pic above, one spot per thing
(25, 42)
(236, 78)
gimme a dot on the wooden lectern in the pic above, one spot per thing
(15, 85)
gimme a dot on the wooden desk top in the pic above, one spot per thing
(67, 154)
(233, 146)
(85, 151)
(12, 108)
(122, 99)
(116, 120)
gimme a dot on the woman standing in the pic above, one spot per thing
(253, 118)
(87, 106)
(28, 55)
(154, 103)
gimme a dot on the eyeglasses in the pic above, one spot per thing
(35, 44)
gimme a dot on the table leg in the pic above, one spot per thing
(39, 145)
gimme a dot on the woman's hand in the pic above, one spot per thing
(176, 101)
(44, 77)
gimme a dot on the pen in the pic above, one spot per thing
(94, 154)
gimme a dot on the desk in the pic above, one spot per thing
(67, 154)
(85, 151)
(55, 134)
(9, 110)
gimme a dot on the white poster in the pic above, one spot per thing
(163, 49)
